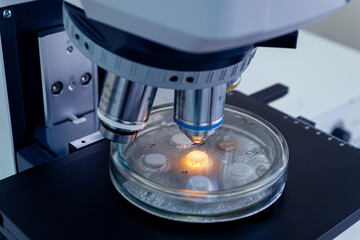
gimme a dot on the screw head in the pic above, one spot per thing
(71, 86)
(7, 13)
(57, 88)
(85, 79)
(69, 49)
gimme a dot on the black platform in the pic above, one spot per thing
(73, 198)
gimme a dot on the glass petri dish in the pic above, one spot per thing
(238, 171)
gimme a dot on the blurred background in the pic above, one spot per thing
(343, 26)
(323, 74)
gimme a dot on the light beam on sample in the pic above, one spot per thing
(197, 159)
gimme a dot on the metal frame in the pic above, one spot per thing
(23, 77)
(22, 64)
(71, 113)
(7, 161)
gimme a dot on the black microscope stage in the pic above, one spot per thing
(73, 197)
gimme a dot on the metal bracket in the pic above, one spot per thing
(85, 142)
(70, 92)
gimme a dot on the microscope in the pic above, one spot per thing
(208, 157)
(199, 49)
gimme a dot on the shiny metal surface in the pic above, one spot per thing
(232, 84)
(69, 106)
(199, 112)
(124, 108)
(145, 74)
(115, 135)
(85, 141)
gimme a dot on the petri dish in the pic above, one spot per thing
(237, 172)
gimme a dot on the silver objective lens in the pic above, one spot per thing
(199, 112)
(124, 108)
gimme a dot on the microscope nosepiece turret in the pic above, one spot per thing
(137, 66)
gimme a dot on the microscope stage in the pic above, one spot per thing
(73, 197)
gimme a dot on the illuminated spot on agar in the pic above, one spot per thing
(200, 183)
(296, 122)
(318, 133)
(342, 144)
(307, 127)
(240, 170)
(330, 138)
(155, 160)
(197, 159)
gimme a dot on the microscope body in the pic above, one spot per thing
(198, 48)
(206, 26)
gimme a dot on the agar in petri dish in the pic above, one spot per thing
(238, 171)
